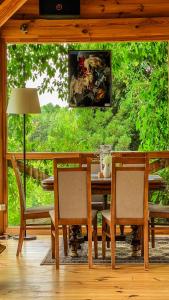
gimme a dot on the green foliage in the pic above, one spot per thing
(162, 197)
(138, 118)
(47, 62)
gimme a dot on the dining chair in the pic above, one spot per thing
(30, 218)
(156, 211)
(131, 154)
(72, 204)
(129, 203)
(99, 202)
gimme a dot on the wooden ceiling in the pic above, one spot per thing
(100, 20)
(106, 9)
(8, 8)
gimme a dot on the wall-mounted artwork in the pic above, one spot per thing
(90, 80)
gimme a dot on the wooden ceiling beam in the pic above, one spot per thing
(91, 30)
(3, 97)
(8, 8)
(106, 9)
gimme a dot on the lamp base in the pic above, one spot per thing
(26, 238)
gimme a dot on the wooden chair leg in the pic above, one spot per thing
(146, 247)
(21, 238)
(52, 241)
(87, 232)
(103, 237)
(105, 201)
(108, 244)
(95, 237)
(64, 227)
(90, 259)
(152, 233)
(113, 245)
(68, 232)
(142, 241)
(122, 230)
(57, 246)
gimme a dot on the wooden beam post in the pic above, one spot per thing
(8, 8)
(3, 165)
(82, 30)
(168, 88)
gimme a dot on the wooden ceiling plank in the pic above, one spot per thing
(106, 9)
(8, 8)
(93, 30)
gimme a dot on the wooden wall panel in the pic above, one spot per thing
(92, 30)
(3, 79)
(107, 9)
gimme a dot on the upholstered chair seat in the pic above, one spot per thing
(156, 211)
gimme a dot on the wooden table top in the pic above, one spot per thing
(103, 185)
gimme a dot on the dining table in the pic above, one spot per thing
(102, 186)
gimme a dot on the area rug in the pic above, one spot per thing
(160, 254)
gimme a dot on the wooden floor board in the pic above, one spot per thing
(24, 278)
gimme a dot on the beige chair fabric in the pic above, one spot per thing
(129, 194)
(97, 200)
(95, 168)
(39, 209)
(39, 222)
(74, 204)
(156, 211)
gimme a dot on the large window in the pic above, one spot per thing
(137, 119)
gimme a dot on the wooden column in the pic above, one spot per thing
(168, 85)
(3, 165)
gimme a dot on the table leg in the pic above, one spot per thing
(135, 242)
(105, 199)
(122, 230)
(76, 239)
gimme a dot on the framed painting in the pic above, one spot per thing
(90, 79)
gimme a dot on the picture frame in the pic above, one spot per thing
(90, 78)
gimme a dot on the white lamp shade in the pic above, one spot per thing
(23, 101)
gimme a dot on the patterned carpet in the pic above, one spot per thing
(160, 254)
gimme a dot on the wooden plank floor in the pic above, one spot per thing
(24, 278)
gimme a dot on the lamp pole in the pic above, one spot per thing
(24, 156)
(24, 101)
(26, 237)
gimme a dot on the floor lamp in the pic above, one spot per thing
(24, 101)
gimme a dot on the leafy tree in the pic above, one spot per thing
(138, 118)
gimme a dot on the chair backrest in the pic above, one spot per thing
(129, 188)
(128, 154)
(72, 190)
(19, 184)
(95, 167)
